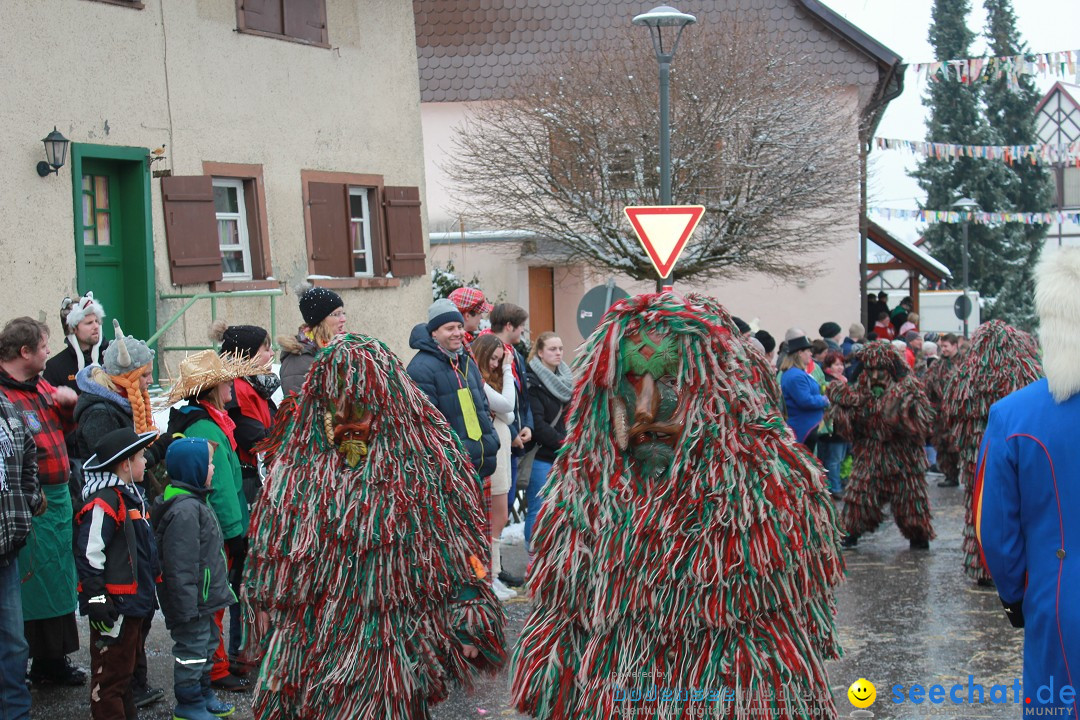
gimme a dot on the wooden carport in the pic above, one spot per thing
(905, 256)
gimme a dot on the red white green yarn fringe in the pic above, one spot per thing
(1001, 359)
(367, 574)
(718, 575)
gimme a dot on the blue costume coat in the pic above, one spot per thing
(804, 401)
(1027, 518)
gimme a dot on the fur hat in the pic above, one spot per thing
(125, 353)
(1057, 302)
(77, 311)
(205, 369)
(441, 312)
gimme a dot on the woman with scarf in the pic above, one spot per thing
(206, 382)
(550, 387)
(252, 409)
(115, 395)
(324, 319)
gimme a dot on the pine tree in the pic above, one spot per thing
(956, 117)
(1010, 111)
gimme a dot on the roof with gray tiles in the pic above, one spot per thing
(476, 49)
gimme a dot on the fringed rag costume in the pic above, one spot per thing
(368, 549)
(887, 416)
(686, 550)
(936, 381)
(1001, 359)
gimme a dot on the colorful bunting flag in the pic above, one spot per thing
(976, 218)
(1061, 63)
(1040, 153)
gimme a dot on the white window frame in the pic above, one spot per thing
(363, 193)
(240, 216)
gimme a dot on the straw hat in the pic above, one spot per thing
(205, 369)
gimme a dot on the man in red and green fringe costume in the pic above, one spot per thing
(936, 382)
(1001, 359)
(368, 550)
(686, 551)
(887, 416)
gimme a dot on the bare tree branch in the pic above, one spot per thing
(766, 145)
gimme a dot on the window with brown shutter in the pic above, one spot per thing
(404, 233)
(255, 238)
(346, 219)
(329, 213)
(299, 20)
(191, 234)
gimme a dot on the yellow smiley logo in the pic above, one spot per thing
(862, 693)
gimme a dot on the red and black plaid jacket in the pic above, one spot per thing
(46, 420)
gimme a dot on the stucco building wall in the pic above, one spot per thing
(178, 73)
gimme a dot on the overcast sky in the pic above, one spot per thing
(902, 26)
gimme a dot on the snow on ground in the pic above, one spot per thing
(514, 534)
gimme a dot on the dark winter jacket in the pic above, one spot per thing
(99, 412)
(247, 404)
(63, 367)
(227, 496)
(549, 419)
(523, 415)
(297, 354)
(22, 495)
(433, 372)
(195, 576)
(115, 550)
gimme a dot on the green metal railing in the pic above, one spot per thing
(213, 298)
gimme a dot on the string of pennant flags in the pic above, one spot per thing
(1060, 63)
(1039, 153)
(976, 218)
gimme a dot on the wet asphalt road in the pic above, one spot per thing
(903, 616)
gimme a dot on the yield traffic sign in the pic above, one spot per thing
(663, 231)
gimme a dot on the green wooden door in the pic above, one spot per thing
(100, 227)
(113, 236)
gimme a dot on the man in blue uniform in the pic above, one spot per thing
(1027, 497)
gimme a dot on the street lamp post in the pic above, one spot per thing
(657, 19)
(966, 206)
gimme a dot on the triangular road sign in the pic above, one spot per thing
(663, 231)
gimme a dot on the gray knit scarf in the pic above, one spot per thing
(560, 384)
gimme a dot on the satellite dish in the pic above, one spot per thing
(595, 303)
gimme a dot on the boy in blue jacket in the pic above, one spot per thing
(194, 581)
(116, 558)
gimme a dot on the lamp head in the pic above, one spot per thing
(660, 17)
(56, 146)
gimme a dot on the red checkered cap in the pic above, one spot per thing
(470, 299)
